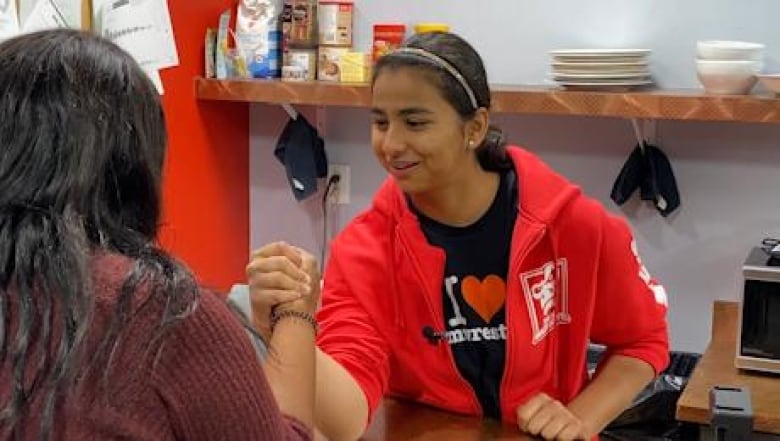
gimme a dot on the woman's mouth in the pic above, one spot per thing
(402, 168)
(403, 165)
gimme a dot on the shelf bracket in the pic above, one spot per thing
(638, 133)
(319, 116)
(290, 110)
(646, 133)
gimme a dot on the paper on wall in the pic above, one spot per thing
(9, 20)
(97, 13)
(154, 75)
(36, 15)
(142, 28)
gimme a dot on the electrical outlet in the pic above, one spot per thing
(340, 194)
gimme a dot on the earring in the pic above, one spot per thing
(471, 143)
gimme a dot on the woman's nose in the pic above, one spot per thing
(392, 140)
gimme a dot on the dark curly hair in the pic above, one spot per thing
(82, 144)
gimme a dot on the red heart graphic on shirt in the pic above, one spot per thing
(485, 297)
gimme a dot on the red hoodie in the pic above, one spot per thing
(383, 285)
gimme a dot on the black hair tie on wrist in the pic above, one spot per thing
(305, 316)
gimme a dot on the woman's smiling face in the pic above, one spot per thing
(417, 136)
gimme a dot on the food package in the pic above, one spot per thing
(258, 36)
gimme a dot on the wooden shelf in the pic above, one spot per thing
(691, 105)
(278, 92)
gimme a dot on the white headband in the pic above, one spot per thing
(444, 64)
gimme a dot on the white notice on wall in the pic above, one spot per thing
(36, 15)
(154, 75)
(9, 21)
(142, 28)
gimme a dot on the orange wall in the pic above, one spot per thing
(206, 187)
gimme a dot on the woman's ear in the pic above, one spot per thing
(476, 128)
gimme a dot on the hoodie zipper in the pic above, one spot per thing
(514, 270)
(476, 406)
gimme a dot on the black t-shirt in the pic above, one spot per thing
(474, 291)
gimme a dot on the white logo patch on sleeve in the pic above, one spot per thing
(546, 293)
(656, 288)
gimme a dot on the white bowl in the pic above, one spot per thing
(729, 50)
(728, 77)
(771, 82)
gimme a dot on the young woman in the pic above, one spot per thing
(102, 334)
(478, 276)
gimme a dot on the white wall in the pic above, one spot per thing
(727, 173)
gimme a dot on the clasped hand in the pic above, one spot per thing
(281, 277)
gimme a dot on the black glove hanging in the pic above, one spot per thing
(302, 152)
(631, 176)
(648, 169)
(661, 179)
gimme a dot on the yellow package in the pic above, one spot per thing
(421, 28)
(355, 67)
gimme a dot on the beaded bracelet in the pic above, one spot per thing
(305, 316)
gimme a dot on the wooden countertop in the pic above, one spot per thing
(398, 420)
(716, 367)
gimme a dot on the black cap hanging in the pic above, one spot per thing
(302, 151)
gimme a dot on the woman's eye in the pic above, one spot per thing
(416, 124)
(380, 124)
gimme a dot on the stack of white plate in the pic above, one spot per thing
(601, 68)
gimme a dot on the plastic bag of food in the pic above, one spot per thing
(258, 36)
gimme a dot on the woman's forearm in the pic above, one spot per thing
(341, 408)
(289, 368)
(618, 382)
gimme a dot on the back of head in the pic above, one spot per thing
(82, 131)
(465, 66)
(82, 144)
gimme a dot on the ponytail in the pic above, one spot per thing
(491, 153)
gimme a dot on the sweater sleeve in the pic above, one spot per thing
(213, 385)
(349, 335)
(630, 307)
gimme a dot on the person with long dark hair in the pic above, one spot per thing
(478, 276)
(103, 335)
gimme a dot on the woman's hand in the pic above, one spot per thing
(310, 301)
(281, 276)
(550, 419)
